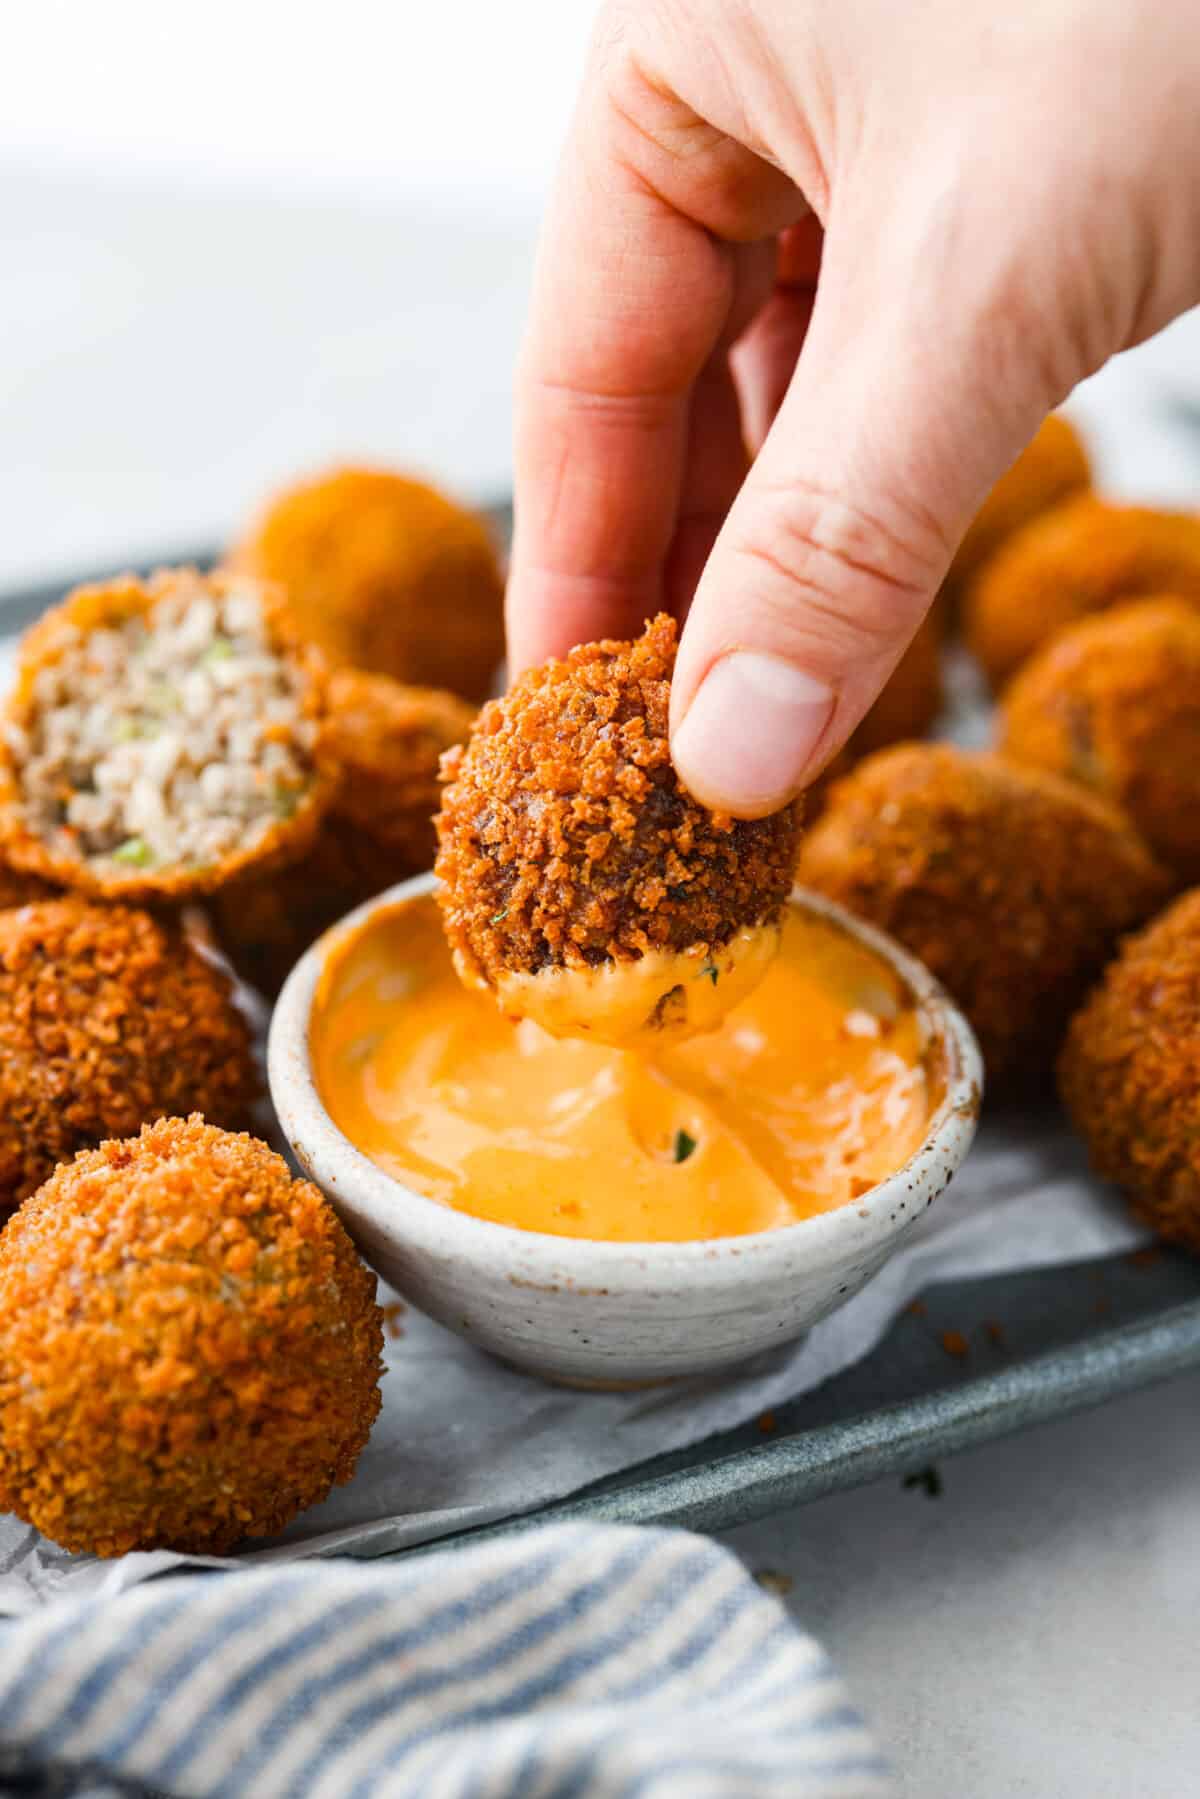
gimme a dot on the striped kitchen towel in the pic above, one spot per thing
(566, 1663)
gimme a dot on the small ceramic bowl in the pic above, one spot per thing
(615, 1314)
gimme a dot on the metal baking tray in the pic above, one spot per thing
(1037, 1346)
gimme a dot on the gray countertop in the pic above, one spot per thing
(165, 353)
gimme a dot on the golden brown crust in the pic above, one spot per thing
(1009, 884)
(566, 839)
(386, 740)
(1047, 472)
(18, 889)
(1113, 703)
(189, 1346)
(387, 574)
(1080, 558)
(1129, 1073)
(87, 609)
(108, 1018)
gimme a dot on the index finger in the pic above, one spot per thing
(636, 281)
(629, 298)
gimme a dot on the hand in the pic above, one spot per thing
(877, 243)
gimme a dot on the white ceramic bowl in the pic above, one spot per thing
(612, 1314)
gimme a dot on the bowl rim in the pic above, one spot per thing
(416, 1220)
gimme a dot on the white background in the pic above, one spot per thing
(457, 96)
(238, 238)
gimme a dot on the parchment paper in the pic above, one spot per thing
(463, 1440)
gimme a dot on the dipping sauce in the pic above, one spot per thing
(638, 1005)
(811, 1091)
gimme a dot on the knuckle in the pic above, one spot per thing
(676, 123)
(853, 577)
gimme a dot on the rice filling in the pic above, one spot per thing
(169, 739)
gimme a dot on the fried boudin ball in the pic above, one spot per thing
(108, 1018)
(1129, 1073)
(1011, 885)
(1050, 469)
(1081, 558)
(163, 737)
(386, 741)
(190, 1348)
(1114, 703)
(581, 882)
(386, 574)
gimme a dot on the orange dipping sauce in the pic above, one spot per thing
(811, 1091)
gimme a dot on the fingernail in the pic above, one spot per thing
(751, 733)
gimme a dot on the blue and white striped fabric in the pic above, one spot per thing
(568, 1663)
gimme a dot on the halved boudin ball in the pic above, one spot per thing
(164, 736)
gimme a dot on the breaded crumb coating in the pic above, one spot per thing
(18, 889)
(1049, 470)
(385, 741)
(108, 1018)
(1129, 1073)
(1080, 558)
(566, 840)
(190, 1348)
(1113, 703)
(1010, 884)
(385, 573)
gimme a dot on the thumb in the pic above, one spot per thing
(888, 437)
